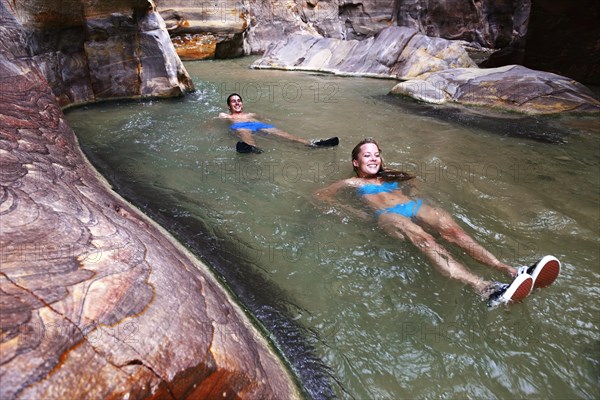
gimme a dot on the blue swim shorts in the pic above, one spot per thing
(408, 210)
(251, 126)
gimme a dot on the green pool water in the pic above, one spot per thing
(384, 322)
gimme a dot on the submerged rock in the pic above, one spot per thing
(395, 52)
(97, 300)
(510, 88)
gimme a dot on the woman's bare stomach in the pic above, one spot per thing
(382, 201)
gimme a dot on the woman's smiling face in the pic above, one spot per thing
(368, 162)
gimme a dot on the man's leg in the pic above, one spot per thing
(285, 135)
(245, 135)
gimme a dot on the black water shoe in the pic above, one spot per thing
(334, 141)
(243, 147)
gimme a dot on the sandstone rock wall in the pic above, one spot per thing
(96, 300)
(205, 29)
(550, 35)
(487, 23)
(91, 51)
(490, 23)
(395, 52)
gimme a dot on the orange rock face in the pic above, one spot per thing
(195, 47)
(205, 29)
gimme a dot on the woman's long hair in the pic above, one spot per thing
(386, 174)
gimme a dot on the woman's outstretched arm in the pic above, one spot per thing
(328, 195)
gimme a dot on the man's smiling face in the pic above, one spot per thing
(235, 105)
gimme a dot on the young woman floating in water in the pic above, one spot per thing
(404, 217)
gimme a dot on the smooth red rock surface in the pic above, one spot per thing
(96, 300)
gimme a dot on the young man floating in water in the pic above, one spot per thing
(245, 124)
(403, 217)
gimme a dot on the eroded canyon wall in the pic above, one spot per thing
(549, 35)
(91, 51)
(97, 301)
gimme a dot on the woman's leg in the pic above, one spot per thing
(440, 221)
(400, 227)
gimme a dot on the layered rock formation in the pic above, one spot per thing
(550, 35)
(98, 301)
(91, 51)
(491, 24)
(205, 29)
(510, 88)
(395, 52)
(435, 70)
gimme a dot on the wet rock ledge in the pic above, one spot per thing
(96, 300)
(432, 70)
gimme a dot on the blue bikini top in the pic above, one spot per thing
(385, 187)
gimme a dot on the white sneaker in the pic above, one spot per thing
(517, 290)
(544, 272)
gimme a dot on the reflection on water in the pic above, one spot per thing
(388, 326)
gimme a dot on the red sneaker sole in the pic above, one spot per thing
(548, 274)
(522, 291)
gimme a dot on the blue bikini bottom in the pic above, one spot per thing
(408, 210)
(251, 126)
